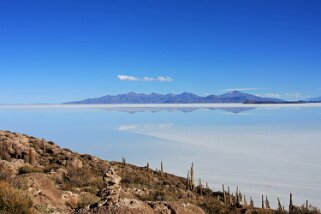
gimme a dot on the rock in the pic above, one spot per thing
(45, 193)
(174, 207)
(125, 206)
(74, 162)
(110, 194)
(59, 175)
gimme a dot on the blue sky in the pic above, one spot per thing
(56, 51)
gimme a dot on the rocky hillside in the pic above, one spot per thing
(37, 176)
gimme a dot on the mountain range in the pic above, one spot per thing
(317, 99)
(154, 98)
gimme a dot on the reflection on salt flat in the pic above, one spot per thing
(234, 110)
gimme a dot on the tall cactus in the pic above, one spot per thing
(267, 203)
(279, 205)
(188, 180)
(32, 156)
(237, 196)
(251, 202)
(192, 177)
(291, 204)
(224, 194)
(123, 161)
(262, 201)
(162, 169)
(200, 186)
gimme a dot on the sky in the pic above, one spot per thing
(57, 51)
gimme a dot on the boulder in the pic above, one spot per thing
(45, 193)
(74, 163)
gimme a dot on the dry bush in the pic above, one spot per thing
(6, 173)
(29, 169)
(265, 211)
(82, 177)
(136, 180)
(87, 199)
(159, 195)
(13, 200)
(303, 210)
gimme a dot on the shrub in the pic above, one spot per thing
(20, 183)
(136, 180)
(6, 173)
(29, 169)
(87, 199)
(13, 200)
(159, 196)
(303, 210)
(82, 177)
(44, 208)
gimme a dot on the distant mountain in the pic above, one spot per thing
(134, 98)
(317, 99)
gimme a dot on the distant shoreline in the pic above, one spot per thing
(181, 105)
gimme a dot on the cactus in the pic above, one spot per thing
(192, 177)
(267, 203)
(188, 180)
(123, 161)
(32, 156)
(200, 186)
(291, 204)
(251, 202)
(307, 204)
(162, 169)
(262, 201)
(237, 195)
(206, 185)
(244, 200)
(147, 167)
(279, 205)
(231, 200)
(224, 194)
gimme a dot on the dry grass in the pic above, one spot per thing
(87, 199)
(13, 200)
(29, 169)
(83, 177)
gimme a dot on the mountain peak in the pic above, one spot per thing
(185, 97)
